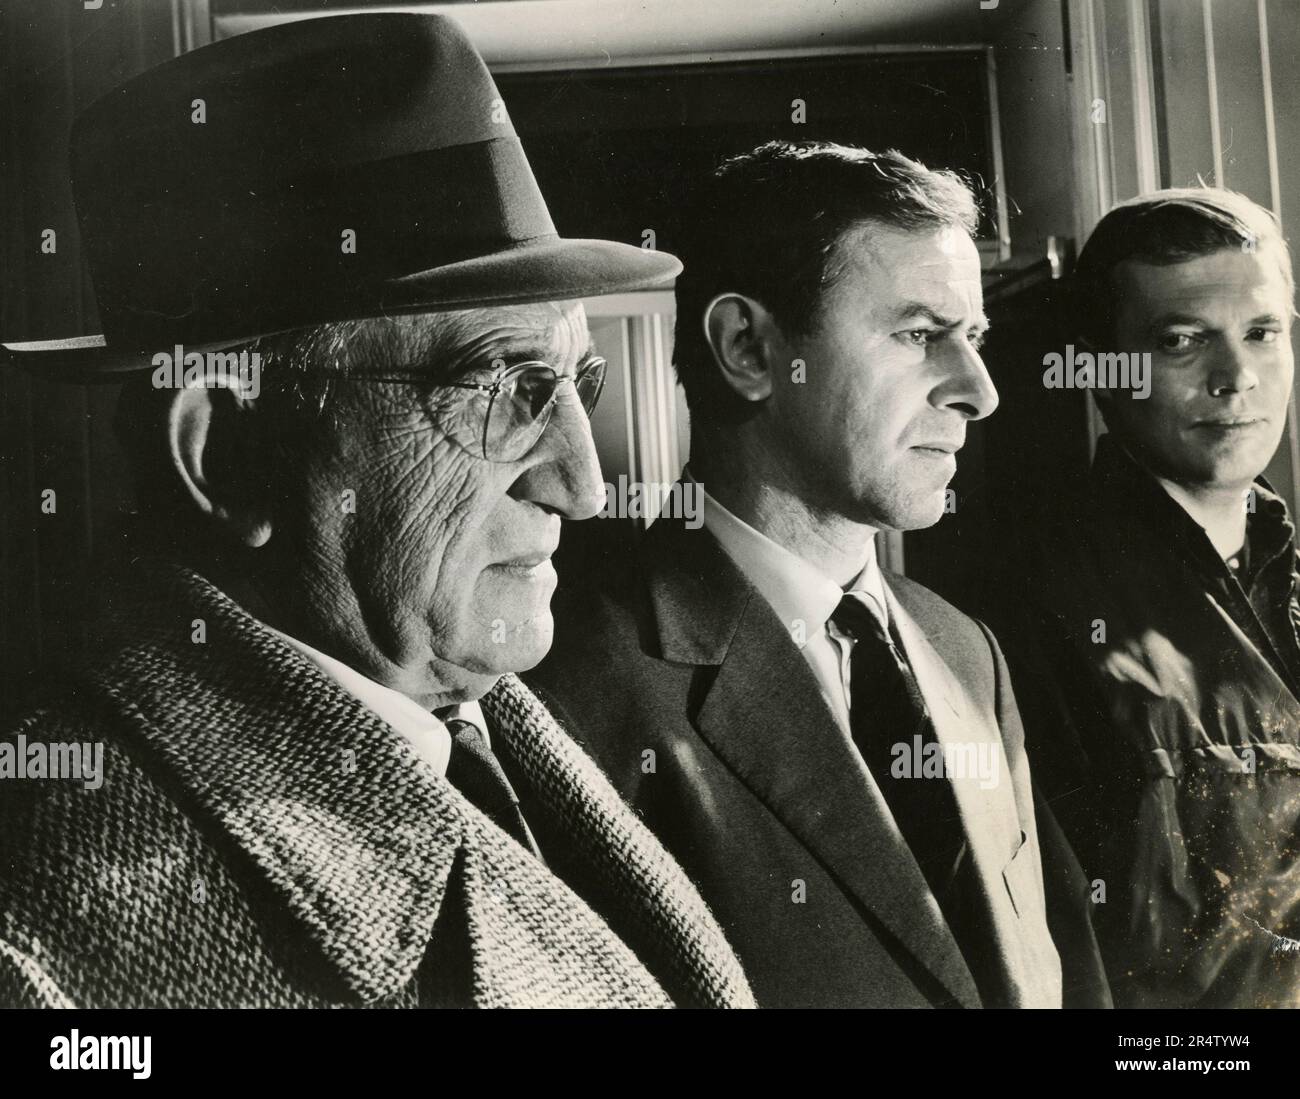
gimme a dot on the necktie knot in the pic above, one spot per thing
(468, 737)
(857, 620)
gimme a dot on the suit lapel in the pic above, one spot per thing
(766, 718)
(987, 806)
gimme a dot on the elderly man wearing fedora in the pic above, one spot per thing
(321, 781)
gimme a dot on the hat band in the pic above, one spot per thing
(202, 267)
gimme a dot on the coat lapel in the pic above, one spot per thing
(258, 743)
(664, 918)
(357, 838)
(766, 718)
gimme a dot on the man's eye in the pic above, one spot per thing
(919, 337)
(530, 386)
(1177, 341)
(976, 339)
(1263, 335)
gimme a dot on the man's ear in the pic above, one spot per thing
(213, 440)
(740, 333)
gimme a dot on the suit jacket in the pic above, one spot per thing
(262, 839)
(680, 680)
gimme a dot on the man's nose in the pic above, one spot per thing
(967, 386)
(564, 474)
(1233, 370)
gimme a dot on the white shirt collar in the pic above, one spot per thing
(425, 732)
(797, 591)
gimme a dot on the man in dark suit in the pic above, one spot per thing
(832, 752)
(305, 740)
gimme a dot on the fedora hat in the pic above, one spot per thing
(322, 170)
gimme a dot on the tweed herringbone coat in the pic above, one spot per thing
(262, 839)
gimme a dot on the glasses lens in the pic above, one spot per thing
(518, 413)
(521, 407)
(590, 384)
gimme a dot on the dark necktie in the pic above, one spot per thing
(887, 709)
(477, 774)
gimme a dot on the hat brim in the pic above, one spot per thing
(553, 269)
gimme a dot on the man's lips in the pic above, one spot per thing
(939, 446)
(1228, 423)
(526, 563)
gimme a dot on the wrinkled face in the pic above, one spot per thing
(893, 374)
(1218, 331)
(431, 562)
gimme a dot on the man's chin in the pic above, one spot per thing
(520, 647)
(524, 649)
(1234, 475)
(915, 513)
(525, 660)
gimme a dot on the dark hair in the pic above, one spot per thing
(1165, 227)
(767, 224)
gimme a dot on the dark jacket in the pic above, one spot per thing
(681, 681)
(1164, 724)
(262, 839)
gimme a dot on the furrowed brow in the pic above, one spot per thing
(939, 320)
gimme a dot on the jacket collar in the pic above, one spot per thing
(796, 589)
(697, 593)
(768, 721)
(341, 821)
(1125, 488)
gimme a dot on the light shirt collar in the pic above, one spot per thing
(425, 732)
(797, 591)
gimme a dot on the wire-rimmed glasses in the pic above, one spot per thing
(520, 402)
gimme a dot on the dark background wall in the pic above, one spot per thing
(55, 59)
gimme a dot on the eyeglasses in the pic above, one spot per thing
(520, 402)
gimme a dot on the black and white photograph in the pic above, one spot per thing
(593, 505)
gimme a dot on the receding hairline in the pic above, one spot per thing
(865, 232)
